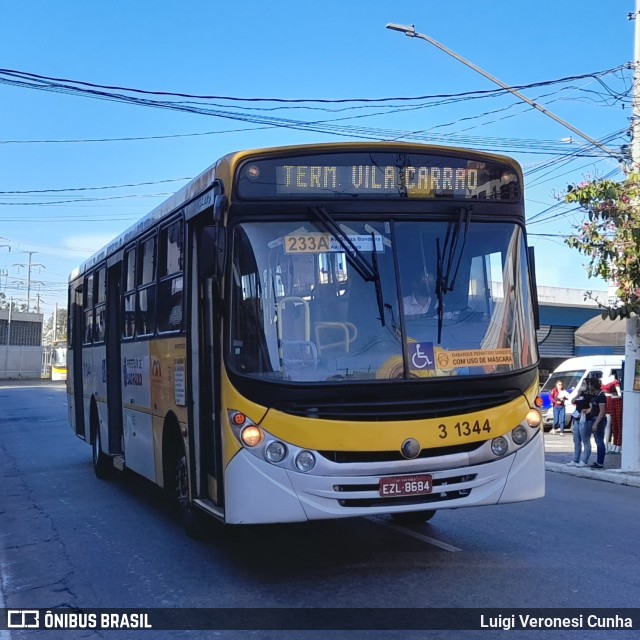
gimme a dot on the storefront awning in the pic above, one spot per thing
(601, 333)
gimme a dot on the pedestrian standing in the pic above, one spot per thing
(581, 428)
(598, 416)
(558, 397)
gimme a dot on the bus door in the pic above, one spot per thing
(113, 368)
(210, 438)
(77, 317)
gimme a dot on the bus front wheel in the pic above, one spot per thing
(192, 520)
(413, 517)
(102, 465)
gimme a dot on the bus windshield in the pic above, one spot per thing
(59, 357)
(433, 299)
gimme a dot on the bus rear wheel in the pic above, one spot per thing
(413, 517)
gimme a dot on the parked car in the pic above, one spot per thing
(573, 372)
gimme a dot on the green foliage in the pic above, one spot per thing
(610, 238)
(15, 306)
(60, 333)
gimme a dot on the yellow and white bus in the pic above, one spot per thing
(58, 361)
(314, 332)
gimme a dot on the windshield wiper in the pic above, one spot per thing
(447, 256)
(368, 272)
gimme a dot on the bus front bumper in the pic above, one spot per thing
(260, 492)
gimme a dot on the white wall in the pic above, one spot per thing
(20, 362)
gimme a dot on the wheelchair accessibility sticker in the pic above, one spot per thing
(421, 356)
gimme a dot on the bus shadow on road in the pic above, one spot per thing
(280, 549)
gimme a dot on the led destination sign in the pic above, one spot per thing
(369, 178)
(378, 175)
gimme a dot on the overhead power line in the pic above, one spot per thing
(49, 83)
(114, 186)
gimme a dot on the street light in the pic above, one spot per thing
(412, 33)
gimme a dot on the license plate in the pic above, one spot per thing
(406, 485)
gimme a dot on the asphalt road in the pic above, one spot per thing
(68, 539)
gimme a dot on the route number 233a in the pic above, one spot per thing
(464, 428)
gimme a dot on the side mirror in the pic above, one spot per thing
(220, 206)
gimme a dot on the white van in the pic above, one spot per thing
(573, 372)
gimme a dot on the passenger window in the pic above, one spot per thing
(129, 315)
(170, 304)
(147, 261)
(88, 313)
(130, 270)
(145, 324)
(171, 249)
(99, 329)
(129, 320)
(146, 311)
(170, 289)
(101, 286)
(88, 326)
(89, 297)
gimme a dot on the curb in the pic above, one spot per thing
(617, 476)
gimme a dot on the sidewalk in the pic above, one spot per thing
(559, 450)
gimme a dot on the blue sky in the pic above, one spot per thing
(327, 50)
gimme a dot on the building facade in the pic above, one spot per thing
(20, 345)
(562, 313)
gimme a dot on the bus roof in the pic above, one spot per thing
(224, 166)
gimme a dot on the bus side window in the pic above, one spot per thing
(129, 316)
(99, 329)
(145, 322)
(88, 310)
(147, 310)
(170, 289)
(88, 326)
(100, 299)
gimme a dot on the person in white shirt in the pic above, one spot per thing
(421, 299)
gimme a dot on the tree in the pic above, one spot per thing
(610, 238)
(61, 327)
(14, 304)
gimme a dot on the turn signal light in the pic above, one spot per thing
(538, 401)
(238, 419)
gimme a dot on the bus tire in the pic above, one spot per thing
(413, 517)
(102, 465)
(191, 518)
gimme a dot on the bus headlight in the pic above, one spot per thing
(275, 452)
(251, 436)
(499, 446)
(305, 461)
(534, 418)
(519, 434)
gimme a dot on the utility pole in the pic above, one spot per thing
(29, 267)
(630, 455)
(55, 325)
(6, 353)
(412, 33)
(4, 272)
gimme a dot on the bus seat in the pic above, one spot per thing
(294, 322)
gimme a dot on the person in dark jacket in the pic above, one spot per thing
(597, 414)
(581, 428)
